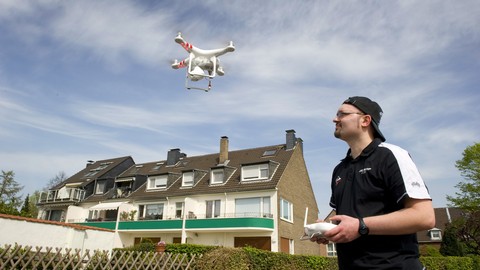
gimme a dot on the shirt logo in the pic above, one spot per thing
(364, 170)
(337, 181)
(416, 184)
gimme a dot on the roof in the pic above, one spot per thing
(205, 163)
(443, 217)
(56, 223)
(93, 171)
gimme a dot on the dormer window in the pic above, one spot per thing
(217, 176)
(187, 179)
(157, 182)
(100, 188)
(255, 172)
(435, 234)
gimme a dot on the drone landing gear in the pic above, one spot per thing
(196, 86)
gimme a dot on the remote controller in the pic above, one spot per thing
(315, 229)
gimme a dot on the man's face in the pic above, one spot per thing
(347, 122)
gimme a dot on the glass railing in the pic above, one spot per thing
(62, 195)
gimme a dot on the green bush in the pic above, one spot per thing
(224, 258)
(189, 248)
(448, 263)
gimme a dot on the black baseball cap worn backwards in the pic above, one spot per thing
(371, 108)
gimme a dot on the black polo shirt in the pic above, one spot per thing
(376, 183)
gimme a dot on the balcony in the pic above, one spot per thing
(230, 222)
(121, 192)
(62, 195)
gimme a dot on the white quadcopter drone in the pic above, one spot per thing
(201, 64)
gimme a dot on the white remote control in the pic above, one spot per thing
(315, 229)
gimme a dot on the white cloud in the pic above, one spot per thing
(294, 64)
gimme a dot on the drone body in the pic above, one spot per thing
(201, 64)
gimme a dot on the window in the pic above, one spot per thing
(93, 172)
(100, 187)
(187, 179)
(286, 209)
(255, 172)
(157, 166)
(253, 207)
(154, 211)
(435, 234)
(269, 153)
(213, 209)
(331, 250)
(179, 210)
(157, 182)
(217, 176)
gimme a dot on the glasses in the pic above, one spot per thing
(343, 114)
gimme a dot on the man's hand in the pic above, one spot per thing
(346, 230)
(319, 240)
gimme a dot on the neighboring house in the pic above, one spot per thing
(255, 197)
(96, 178)
(432, 237)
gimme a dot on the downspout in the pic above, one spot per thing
(116, 228)
(184, 233)
(225, 208)
(448, 215)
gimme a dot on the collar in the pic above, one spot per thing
(366, 151)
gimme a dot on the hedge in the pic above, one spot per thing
(248, 258)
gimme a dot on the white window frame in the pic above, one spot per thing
(331, 250)
(286, 210)
(264, 205)
(179, 206)
(158, 206)
(188, 179)
(157, 182)
(215, 177)
(100, 187)
(255, 172)
(215, 206)
(435, 234)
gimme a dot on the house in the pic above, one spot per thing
(95, 178)
(434, 236)
(255, 197)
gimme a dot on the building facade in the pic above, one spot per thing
(251, 197)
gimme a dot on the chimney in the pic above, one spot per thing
(223, 150)
(89, 162)
(173, 156)
(291, 139)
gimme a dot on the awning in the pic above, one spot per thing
(124, 180)
(106, 206)
(77, 184)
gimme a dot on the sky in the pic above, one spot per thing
(91, 80)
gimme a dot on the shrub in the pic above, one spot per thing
(224, 258)
(447, 263)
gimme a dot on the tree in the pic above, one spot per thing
(29, 209)
(57, 179)
(10, 201)
(468, 199)
(451, 244)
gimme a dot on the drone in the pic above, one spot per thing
(200, 64)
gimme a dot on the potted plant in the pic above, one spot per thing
(160, 246)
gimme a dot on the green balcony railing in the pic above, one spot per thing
(253, 223)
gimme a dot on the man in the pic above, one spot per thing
(379, 196)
